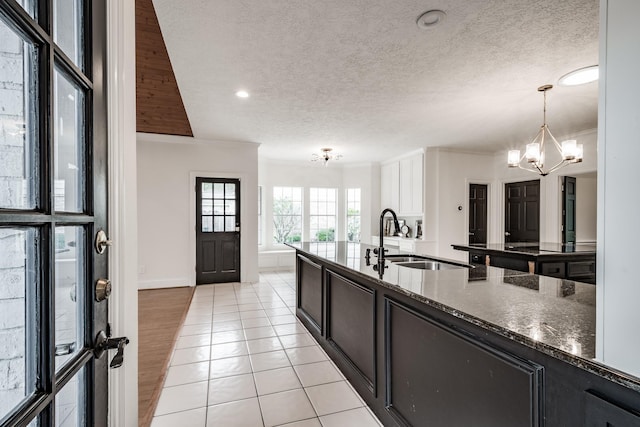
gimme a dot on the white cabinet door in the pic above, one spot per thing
(411, 185)
(389, 186)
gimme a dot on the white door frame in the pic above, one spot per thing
(122, 198)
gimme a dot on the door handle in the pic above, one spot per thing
(506, 233)
(104, 343)
(472, 234)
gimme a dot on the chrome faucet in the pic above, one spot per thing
(380, 250)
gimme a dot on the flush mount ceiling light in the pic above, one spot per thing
(325, 156)
(430, 19)
(580, 76)
(242, 94)
(570, 151)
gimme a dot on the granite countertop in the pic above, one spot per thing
(554, 316)
(532, 248)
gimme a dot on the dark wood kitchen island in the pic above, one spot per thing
(482, 346)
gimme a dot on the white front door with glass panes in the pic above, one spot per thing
(53, 307)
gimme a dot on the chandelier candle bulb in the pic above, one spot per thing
(569, 149)
(533, 152)
(513, 158)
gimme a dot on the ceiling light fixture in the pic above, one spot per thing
(430, 19)
(242, 94)
(325, 156)
(570, 151)
(580, 76)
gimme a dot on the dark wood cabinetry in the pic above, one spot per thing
(417, 365)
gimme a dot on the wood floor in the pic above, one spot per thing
(161, 312)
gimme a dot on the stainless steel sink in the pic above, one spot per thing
(423, 262)
(430, 265)
(405, 258)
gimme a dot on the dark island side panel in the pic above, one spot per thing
(351, 324)
(310, 291)
(435, 374)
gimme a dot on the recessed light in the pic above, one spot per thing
(580, 76)
(430, 18)
(242, 94)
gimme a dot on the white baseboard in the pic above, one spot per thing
(163, 283)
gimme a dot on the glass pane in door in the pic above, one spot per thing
(67, 31)
(70, 402)
(18, 348)
(69, 292)
(18, 137)
(29, 6)
(69, 145)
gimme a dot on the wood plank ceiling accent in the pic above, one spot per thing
(159, 105)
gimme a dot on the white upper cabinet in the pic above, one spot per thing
(411, 185)
(390, 186)
(401, 185)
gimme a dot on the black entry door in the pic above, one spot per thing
(522, 211)
(217, 230)
(477, 213)
(568, 209)
(53, 202)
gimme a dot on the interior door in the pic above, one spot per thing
(52, 204)
(522, 211)
(217, 230)
(477, 213)
(568, 209)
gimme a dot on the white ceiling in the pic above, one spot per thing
(361, 77)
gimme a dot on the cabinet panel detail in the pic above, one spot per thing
(351, 324)
(436, 376)
(310, 291)
(553, 269)
(602, 413)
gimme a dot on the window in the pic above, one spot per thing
(259, 215)
(353, 214)
(322, 214)
(287, 214)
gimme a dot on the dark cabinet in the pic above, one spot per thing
(599, 412)
(310, 291)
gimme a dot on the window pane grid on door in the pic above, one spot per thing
(68, 29)
(70, 402)
(287, 214)
(219, 200)
(70, 285)
(322, 214)
(69, 145)
(18, 128)
(18, 348)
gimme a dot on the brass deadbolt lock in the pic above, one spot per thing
(103, 289)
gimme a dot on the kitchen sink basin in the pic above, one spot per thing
(430, 265)
(405, 258)
(423, 262)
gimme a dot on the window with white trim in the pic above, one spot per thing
(287, 214)
(322, 214)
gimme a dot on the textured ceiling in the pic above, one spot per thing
(361, 77)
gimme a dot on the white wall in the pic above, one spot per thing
(586, 208)
(167, 166)
(367, 178)
(447, 178)
(618, 293)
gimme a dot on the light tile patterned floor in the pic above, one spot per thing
(243, 360)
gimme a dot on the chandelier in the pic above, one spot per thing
(570, 151)
(325, 156)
